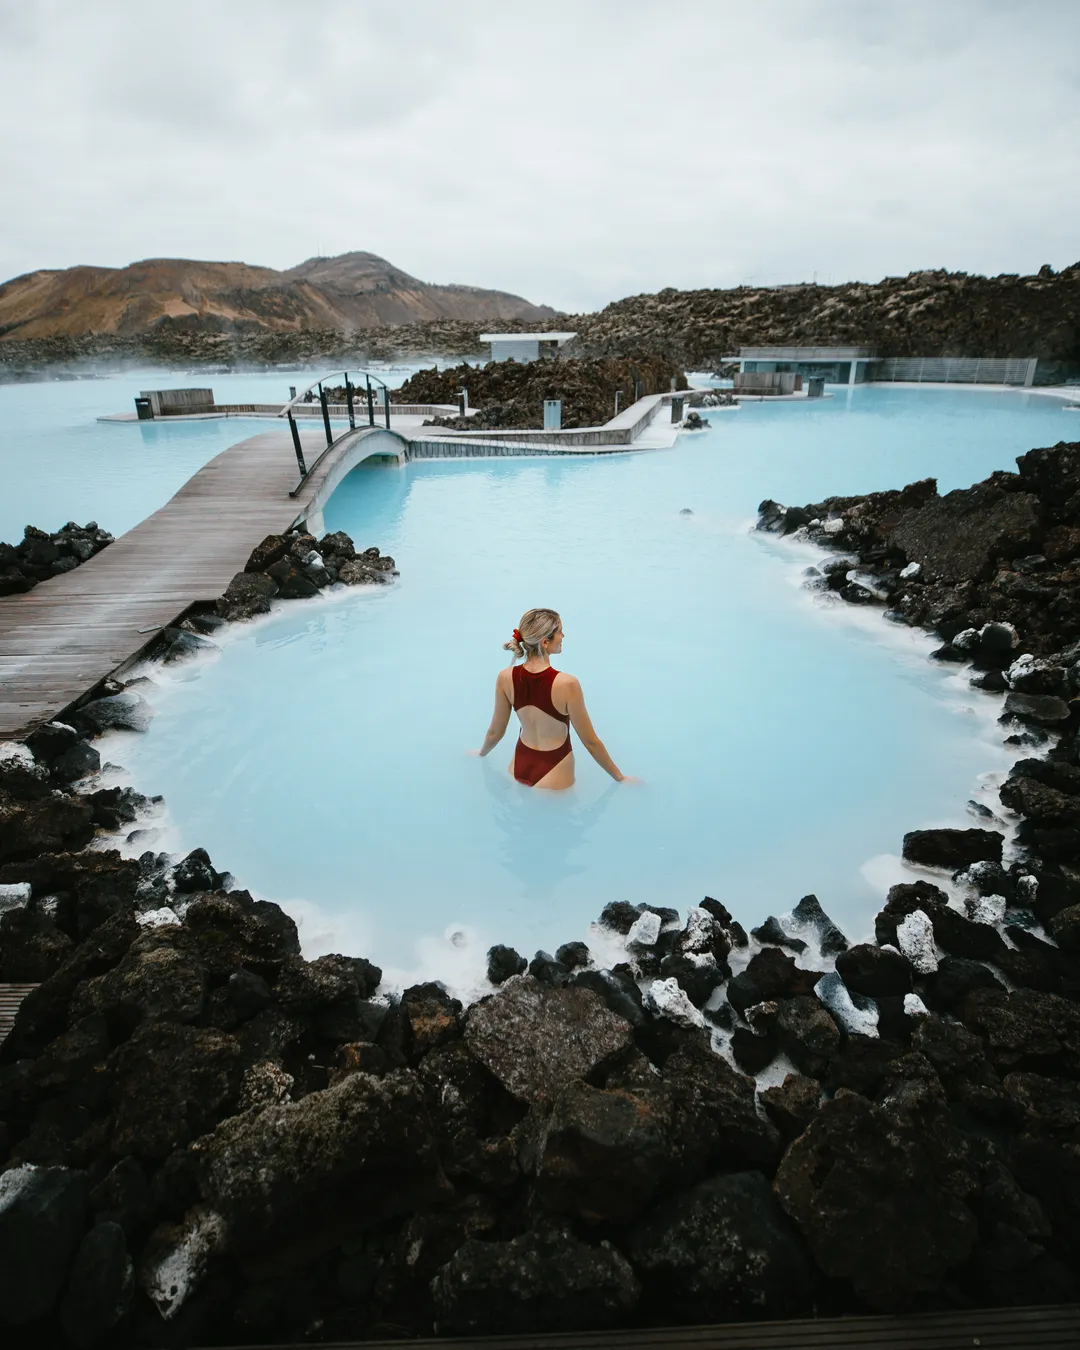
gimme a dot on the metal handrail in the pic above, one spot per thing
(305, 397)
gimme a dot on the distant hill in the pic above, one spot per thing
(348, 292)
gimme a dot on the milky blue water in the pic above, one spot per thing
(785, 744)
(57, 463)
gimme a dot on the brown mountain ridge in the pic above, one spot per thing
(347, 292)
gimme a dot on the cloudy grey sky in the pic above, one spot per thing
(572, 152)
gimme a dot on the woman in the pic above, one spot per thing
(548, 702)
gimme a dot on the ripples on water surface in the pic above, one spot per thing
(785, 744)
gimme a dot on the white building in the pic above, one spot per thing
(525, 346)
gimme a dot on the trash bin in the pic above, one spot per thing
(143, 409)
(815, 386)
(676, 410)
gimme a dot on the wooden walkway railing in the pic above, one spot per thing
(1043, 1328)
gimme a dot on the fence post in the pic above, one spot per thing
(296, 445)
(386, 405)
(348, 400)
(326, 416)
(370, 403)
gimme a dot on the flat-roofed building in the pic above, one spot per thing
(526, 346)
(838, 365)
(854, 365)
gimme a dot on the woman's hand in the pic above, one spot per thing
(627, 778)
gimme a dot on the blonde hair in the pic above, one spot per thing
(533, 627)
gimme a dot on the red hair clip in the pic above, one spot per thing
(517, 634)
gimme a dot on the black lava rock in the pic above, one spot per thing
(869, 970)
(502, 962)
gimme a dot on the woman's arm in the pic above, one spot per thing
(499, 718)
(582, 724)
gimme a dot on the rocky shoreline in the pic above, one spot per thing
(208, 1139)
(512, 393)
(39, 556)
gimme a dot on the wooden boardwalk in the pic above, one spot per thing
(11, 995)
(1053, 1328)
(60, 639)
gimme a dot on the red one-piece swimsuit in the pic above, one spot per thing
(532, 689)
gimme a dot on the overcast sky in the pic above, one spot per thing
(571, 152)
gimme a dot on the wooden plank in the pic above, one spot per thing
(68, 633)
(1040, 1328)
(11, 996)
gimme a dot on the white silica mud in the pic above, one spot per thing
(786, 741)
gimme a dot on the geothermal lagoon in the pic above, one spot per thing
(786, 740)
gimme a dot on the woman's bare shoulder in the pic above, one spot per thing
(566, 681)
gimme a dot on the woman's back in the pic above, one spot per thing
(546, 701)
(543, 724)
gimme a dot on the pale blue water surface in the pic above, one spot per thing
(786, 743)
(57, 463)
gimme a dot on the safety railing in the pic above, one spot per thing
(317, 390)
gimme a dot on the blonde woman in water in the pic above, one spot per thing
(548, 702)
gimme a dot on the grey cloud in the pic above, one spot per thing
(571, 152)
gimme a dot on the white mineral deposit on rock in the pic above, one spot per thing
(914, 1006)
(700, 931)
(1023, 665)
(666, 999)
(14, 895)
(986, 909)
(158, 918)
(13, 752)
(645, 931)
(169, 1276)
(837, 998)
(915, 933)
(911, 570)
(13, 1181)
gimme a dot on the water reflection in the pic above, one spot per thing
(542, 835)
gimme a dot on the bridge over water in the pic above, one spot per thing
(60, 640)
